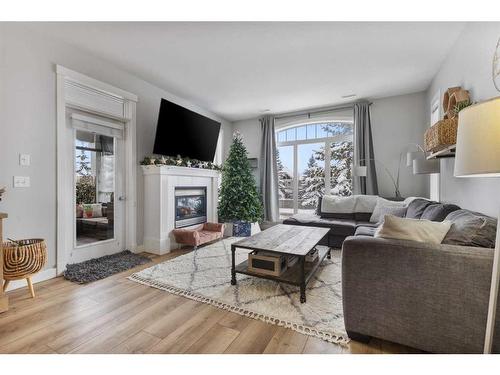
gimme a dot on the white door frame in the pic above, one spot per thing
(78, 91)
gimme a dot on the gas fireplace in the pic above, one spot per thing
(190, 206)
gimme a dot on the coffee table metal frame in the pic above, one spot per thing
(299, 274)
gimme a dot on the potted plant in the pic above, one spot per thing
(239, 201)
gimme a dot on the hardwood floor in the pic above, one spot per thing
(116, 315)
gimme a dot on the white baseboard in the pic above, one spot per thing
(41, 276)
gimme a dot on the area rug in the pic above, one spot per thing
(204, 275)
(100, 268)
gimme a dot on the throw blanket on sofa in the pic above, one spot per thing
(348, 205)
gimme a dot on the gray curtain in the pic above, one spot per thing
(269, 170)
(363, 150)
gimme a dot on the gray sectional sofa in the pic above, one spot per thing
(429, 297)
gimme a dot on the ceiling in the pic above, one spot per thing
(238, 70)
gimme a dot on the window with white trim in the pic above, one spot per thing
(303, 163)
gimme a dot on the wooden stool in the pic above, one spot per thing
(22, 260)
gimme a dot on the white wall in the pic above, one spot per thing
(396, 121)
(28, 125)
(251, 134)
(469, 65)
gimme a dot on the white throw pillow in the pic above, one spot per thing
(384, 207)
(413, 229)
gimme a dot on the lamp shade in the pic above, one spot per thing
(360, 171)
(478, 140)
(410, 156)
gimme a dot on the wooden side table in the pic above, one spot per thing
(4, 300)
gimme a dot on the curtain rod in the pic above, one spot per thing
(321, 110)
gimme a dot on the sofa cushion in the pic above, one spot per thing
(471, 229)
(438, 211)
(362, 216)
(413, 229)
(417, 207)
(387, 207)
(340, 227)
(364, 230)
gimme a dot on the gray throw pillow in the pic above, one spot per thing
(438, 211)
(386, 207)
(416, 208)
(471, 229)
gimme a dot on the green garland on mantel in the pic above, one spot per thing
(179, 162)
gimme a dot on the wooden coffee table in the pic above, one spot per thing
(286, 240)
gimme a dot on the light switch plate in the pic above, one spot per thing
(25, 160)
(21, 181)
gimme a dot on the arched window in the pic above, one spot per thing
(303, 163)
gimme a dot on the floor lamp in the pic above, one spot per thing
(478, 155)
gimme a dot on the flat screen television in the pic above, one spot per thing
(186, 133)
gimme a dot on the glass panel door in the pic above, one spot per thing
(285, 180)
(311, 174)
(341, 154)
(94, 188)
(303, 164)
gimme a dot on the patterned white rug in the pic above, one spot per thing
(204, 275)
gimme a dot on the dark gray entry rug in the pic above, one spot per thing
(204, 275)
(100, 268)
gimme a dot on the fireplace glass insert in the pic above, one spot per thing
(190, 206)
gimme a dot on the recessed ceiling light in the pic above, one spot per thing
(348, 96)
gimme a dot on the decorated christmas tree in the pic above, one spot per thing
(238, 196)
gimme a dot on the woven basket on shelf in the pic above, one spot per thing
(441, 135)
(451, 98)
(23, 259)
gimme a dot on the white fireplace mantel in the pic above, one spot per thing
(159, 201)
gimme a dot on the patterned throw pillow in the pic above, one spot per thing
(87, 211)
(79, 211)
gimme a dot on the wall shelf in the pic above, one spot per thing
(448, 152)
